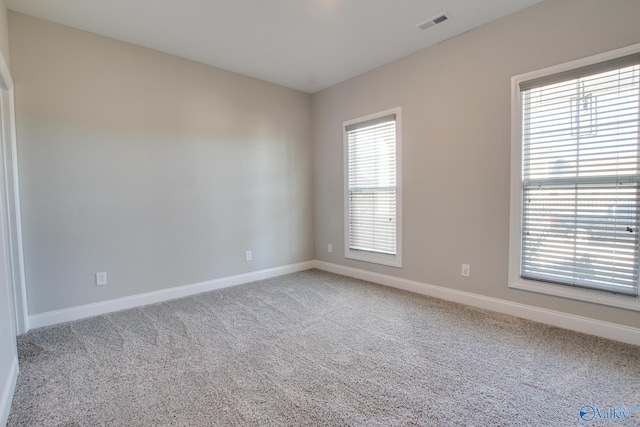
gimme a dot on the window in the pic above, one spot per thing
(576, 179)
(372, 188)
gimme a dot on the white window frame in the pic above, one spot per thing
(515, 281)
(376, 258)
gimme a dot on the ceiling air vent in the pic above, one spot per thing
(433, 21)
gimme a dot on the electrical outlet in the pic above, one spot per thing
(329, 248)
(101, 278)
(466, 270)
(247, 256)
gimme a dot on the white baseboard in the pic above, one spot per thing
(585, 325)
(555, 318)
(96, 309)
(8, 388)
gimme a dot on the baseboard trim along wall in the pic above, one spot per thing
(8, 389)
(555, 318)
(550, 317)
(104, 307)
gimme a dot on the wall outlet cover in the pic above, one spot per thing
(101, 278)
(466, 270)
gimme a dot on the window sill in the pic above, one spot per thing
(586, 295)
(388, 260)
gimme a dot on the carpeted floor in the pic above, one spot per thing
(317, 349)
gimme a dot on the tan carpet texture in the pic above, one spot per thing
(317, 349)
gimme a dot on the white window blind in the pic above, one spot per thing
(371, 182)
(581, 175)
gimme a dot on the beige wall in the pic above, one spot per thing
(455, 100)
(4, 31)
(158, 170)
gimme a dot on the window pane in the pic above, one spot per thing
(580, 235)
(372, 187)
(580, 181)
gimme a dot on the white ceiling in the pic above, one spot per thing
(307, 45)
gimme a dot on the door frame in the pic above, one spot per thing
(11, 193)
